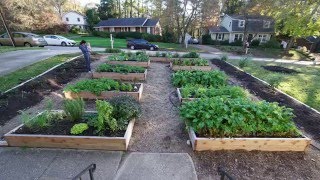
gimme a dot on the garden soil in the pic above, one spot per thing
(161, 130)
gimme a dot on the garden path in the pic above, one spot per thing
(159, 129)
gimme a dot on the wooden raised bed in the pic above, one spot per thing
(104, 95)
(160, 59)
(190, 68)
(249, 144)
(131, 63)
(122, 76)
(70, 142)
(181, 99)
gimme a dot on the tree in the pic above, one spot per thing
(58, 6)
(233, 6)
(107, 9)
(92, 18)
(295, 18)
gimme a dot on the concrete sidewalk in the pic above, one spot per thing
(59, 164)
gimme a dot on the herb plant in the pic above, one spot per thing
(79, 128)
(240, 117)
(244, 62)
(224, 57)
(224, 91)
(206, 79)
(104, 120)
(190, 62)
(74, 109)
(191, 55)
(96, 86)
(119, 68)
(139, 56)
(125, 108)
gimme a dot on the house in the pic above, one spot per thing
(312, 43)
(231, 28)
(73, 18)
(143, 25)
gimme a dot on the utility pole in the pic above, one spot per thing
(7, 28)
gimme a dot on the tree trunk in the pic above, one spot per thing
(131, 8)
(289, 45)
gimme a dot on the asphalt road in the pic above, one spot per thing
(12, 61)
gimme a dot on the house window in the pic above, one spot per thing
(219, 37)
(78, 19)
(266, 24)
(262, 38)
(67, 19)
(241, 23)
(238, 37)
(229, 24)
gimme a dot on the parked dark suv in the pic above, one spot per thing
(141, 44)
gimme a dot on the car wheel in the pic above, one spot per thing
(151, 48)
(27, 44)
(63, 44)
(132, 47)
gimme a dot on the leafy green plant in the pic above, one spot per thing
(244, 62)
(274, 80)
(191, 55)
(190, 62)
(79, 128)
(224, 57)
(176, 55)
(163, 54)
(104, 120)
(125, 108)
(42, 120)
(119, 68)
(139, 56)
(96, 86)
(158, 54)
(109, 50)
(206, 79)
(240, 117)
(74, 109)
(224, 91)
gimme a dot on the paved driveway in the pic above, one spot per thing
(14, 60)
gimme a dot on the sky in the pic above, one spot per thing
(84, 2)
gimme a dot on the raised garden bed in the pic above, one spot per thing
(122, 76)
(131, 63)
(121, 72)
(74, 142)
(248, 144)
(306, 118)
(102, 89)
(159, 59)
(190, 68)
(181, 99)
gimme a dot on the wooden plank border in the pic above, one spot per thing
(190, 68)
(181, 99)
(70, 142)
(131, 63)
(104, 95)
(248, 144)
(122, 76)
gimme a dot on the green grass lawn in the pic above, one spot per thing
(4, 49)
(265, 52)
(304, 86)
(10, 80)
(121, 43)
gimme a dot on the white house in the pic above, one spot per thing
(73, 18)
(231, 28)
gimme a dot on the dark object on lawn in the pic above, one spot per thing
(224, 174)
(305, 118)
(91, 168)
(280, 69)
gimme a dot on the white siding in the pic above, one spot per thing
(132, 29)
(74, 19)
(227, 23)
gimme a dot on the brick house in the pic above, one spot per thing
(143, 25)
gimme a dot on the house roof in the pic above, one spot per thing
(218, 29)
(74, 12)
(250, 17)
(151, 22)
(127, 22)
